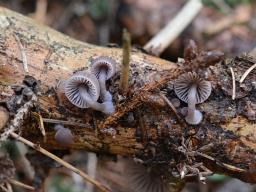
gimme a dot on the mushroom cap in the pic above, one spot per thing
(183, 84)
(145, 179)
(103, 64)
(64, 136)
(85, 80)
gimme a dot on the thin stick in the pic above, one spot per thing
(173, 29)
(3, 188)
(57, 121)
(20, 184)
(9, 187)
(91, 169)
(124, 82)
(247, 73)
(169, 103)
(60, 161)
(143, 127)
(233, 84)
(23, 54)
(41, 123)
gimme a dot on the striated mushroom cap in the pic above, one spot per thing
(80, 83)
(145, 179)
(103, 64)
(184, 83)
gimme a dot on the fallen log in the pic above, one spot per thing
(224, 142)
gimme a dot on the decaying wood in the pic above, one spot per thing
(224, 142)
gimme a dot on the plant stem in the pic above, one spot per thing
(124, 83)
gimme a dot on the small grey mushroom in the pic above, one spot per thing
(144, 179)
(184, 111)
(82, 90)
(103, 68)
(192, 89)
(63, 135)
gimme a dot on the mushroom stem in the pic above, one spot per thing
(105, 107)
(104, 94)
(194, 116)
(103, 91)
(192, 97)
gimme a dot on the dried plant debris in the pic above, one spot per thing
(247, 108)
(7, 169)
(193, 54)
(218, 111)
(239, 65)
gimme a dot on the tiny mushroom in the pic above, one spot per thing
(192, 89)
(103, 68)
(82, 90)
(144, 179)
(63, 135)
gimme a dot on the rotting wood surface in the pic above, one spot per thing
(225, 141)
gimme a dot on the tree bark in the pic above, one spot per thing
(225, 141)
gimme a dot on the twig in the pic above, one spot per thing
(124, 82)
(19, 117)
(60, 161)
(57, 121)
(9, 187)
(23, 54)
(173, 29)
(247, 73)
(20, 184)
(233, 84)
(142, 126)
(41, 122)
(205, 173)
(169, 103)
(91, 169)
(3, 188)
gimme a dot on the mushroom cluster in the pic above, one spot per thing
(84, 88)
(192, 89)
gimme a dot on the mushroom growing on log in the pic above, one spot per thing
(224, 141)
